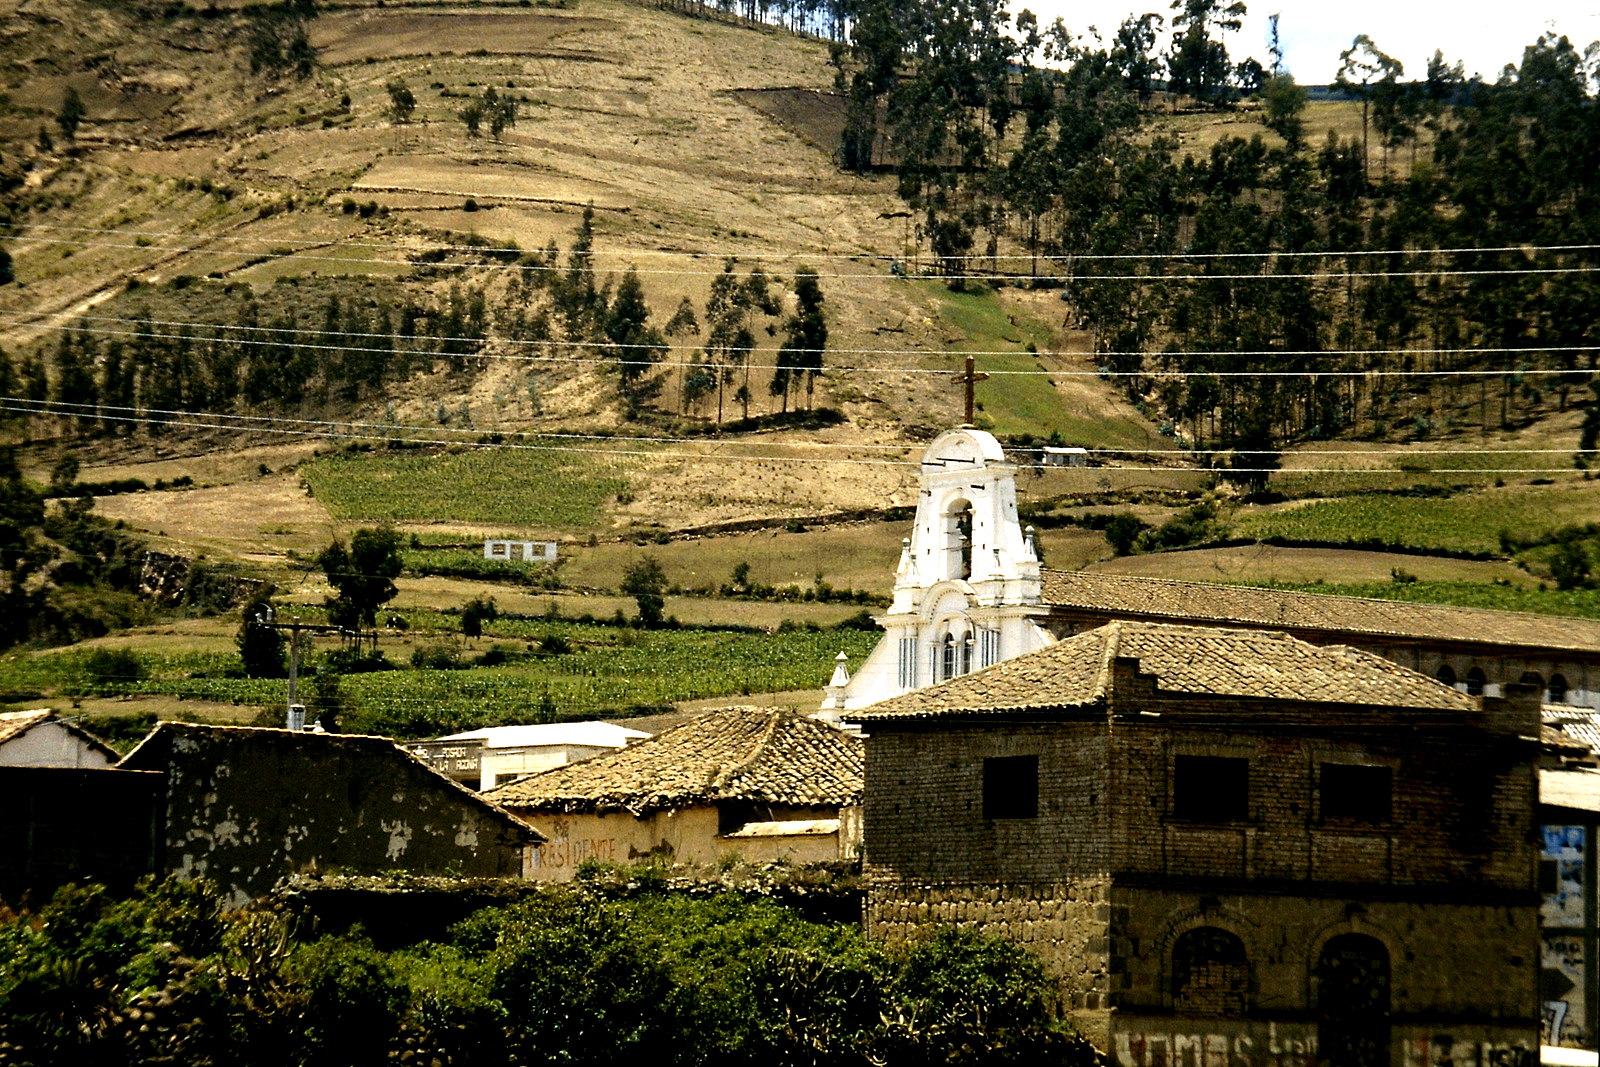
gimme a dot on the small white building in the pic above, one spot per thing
(499, 754)
(520, 551)
(1065, 457)
(44, 739)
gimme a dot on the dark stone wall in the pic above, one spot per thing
(60, 825)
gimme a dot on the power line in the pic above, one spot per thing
(139, 320)
(1078, 257)
(268, 341)
(190, 420)
(540, 268)
(364, 431)
(388, 429)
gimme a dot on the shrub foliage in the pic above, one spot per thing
(574, 974)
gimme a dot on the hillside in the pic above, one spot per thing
(665, 125)
(286, 311)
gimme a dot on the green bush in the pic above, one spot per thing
(599, 972)
(107, 667)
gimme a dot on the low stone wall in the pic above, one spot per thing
(1063, 923)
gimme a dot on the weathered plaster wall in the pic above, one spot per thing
(248, 807)
(685, 836)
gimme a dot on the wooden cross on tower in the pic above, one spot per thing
(970, 379)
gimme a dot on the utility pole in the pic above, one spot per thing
(295, 719)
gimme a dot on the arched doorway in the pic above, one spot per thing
(1352, 1001)
(1210, 973)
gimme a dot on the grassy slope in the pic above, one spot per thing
(1470, 521)
(629, 108)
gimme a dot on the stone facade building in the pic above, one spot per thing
(1233, 847)
(765, 783)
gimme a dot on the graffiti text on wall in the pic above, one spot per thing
(1561, 985)
(1295, 1045)
(562, 852)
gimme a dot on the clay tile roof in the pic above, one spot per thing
(1077, 672)
(1159, 599)
(763, 754)
(17, 723)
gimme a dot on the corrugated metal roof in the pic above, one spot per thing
(1580, 724)
(592, 734)
(1570, 789)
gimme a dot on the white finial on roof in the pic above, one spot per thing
(836, 685)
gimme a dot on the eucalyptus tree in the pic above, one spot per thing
(1198, 64)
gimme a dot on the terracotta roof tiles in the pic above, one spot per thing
(1076, 673)
(739, 753)
(1159, 599)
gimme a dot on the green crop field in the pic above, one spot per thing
(606, 672)
(1465, 522)
(519, 488)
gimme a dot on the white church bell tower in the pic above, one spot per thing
(967, 590)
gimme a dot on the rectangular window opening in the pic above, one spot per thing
(1211, 788)
(1011, 787)
(1356, 792)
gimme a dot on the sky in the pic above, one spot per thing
(1484, 35)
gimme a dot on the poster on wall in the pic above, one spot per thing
(1561, 876)
(1561, 986)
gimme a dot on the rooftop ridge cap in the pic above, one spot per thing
(727, 778)
(1108, 656)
